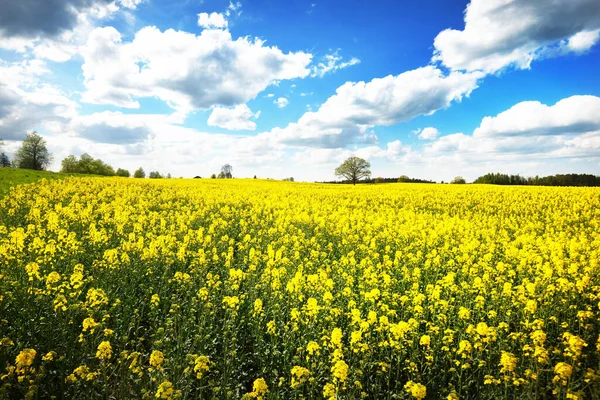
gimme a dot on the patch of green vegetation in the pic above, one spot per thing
(13, 176)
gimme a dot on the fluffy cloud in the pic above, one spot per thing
(119, 128)
(568, 129)
(187, 71)
(500, 33)
(281, 102)
(212, 20)
(573, 115)
(27, 104)
(348, 116)
(53, 29)
(31, 18)
(236, 118)
(428, 133)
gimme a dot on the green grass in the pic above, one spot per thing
(12, 177)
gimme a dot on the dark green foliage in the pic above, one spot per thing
(86, 164)
(552, 180)
(458, 180)
(123, 172)
(354, 169)
(139, 173)
(33, 153)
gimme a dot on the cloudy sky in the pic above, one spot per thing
(429, 88)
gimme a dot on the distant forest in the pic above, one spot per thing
(552, 180)
(502, 179)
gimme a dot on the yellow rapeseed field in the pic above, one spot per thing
(229, 289)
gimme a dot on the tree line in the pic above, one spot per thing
(34, 154)
(357, 170)
(551, 180)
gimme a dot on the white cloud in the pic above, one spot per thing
(187, 71)
(428, 133)
(349, 116)
(270, 95)
(332, 63)
(28, 104)
(212, 20)
(234, 9)
(236, 118)
(501, 33)
(582, 41)
(572, 115)
(118, 128)
(281, 102)
(63, 29)
(531, 131)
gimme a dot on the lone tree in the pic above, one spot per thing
(33, 153)
(139, 173)
(458, 180)
(226, 172)
(354, 169)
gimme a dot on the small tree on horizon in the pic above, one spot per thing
(33, 153)
(123, 172)
(4, 160)
(458, 180)
(139, 173)
(226, 172)
(213, 176)
(354, 169)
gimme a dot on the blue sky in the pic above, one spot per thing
(430, 89)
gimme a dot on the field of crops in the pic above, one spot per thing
(117, 288)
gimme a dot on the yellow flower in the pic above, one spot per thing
(156, 359)
(155, 300)
(416, 390)
(258, 307)
(299, 376)
(49, 356)
(336, 337)
(165, 391)
(574, 345)
(563, 372)
(508, 362)
(425, 340)
(482, 329)
(33, 270)
(104, 351)
(24, 360)
(329, 391)
(96, 298)
(340, 370)
(89, 324)
(259, 388)
(271, 327)
(201, 366)
(464, 313)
